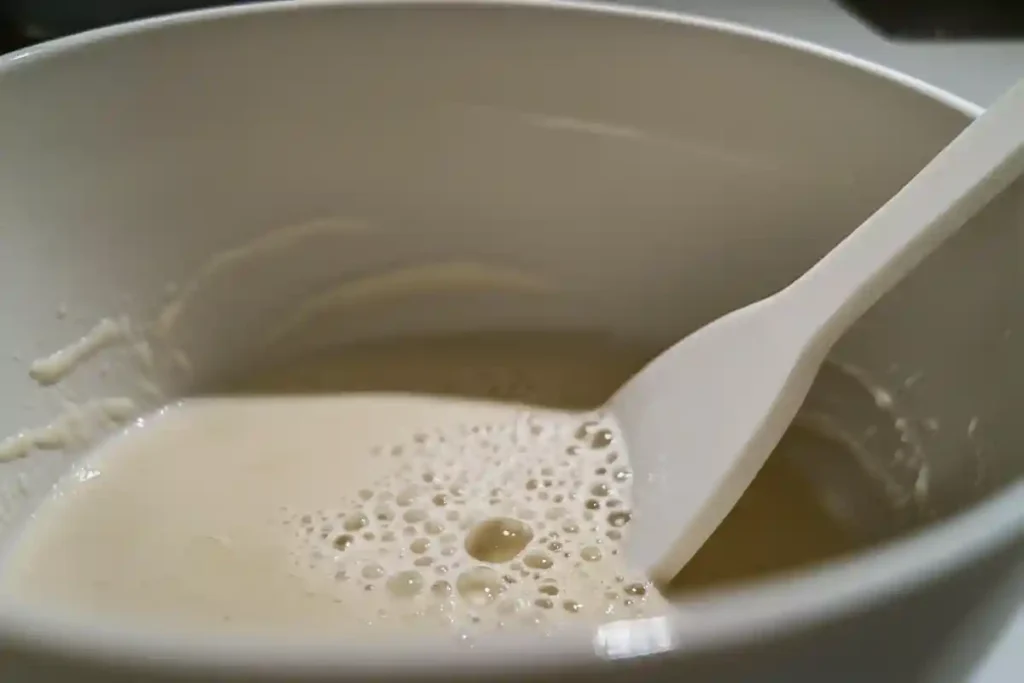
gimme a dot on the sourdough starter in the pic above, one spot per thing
(466, 484)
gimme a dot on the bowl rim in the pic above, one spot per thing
(715, 619)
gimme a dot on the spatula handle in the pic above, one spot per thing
(965, 176)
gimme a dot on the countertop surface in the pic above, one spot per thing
(975, 70)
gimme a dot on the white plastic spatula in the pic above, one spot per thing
(701, 419)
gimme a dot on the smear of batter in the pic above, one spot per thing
(58, 365)
(414, 281)
(78, 426)
(266, 244)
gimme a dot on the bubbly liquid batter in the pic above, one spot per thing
(464, 483)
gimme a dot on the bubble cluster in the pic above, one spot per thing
(512, 522)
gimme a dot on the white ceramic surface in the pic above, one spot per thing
(648, 172)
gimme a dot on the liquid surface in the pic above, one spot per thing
(463, 483)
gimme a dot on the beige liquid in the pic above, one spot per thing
(464, 483)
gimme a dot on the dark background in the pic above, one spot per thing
(23, 22)
(942, 19)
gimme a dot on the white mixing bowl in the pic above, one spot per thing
(571, 167)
